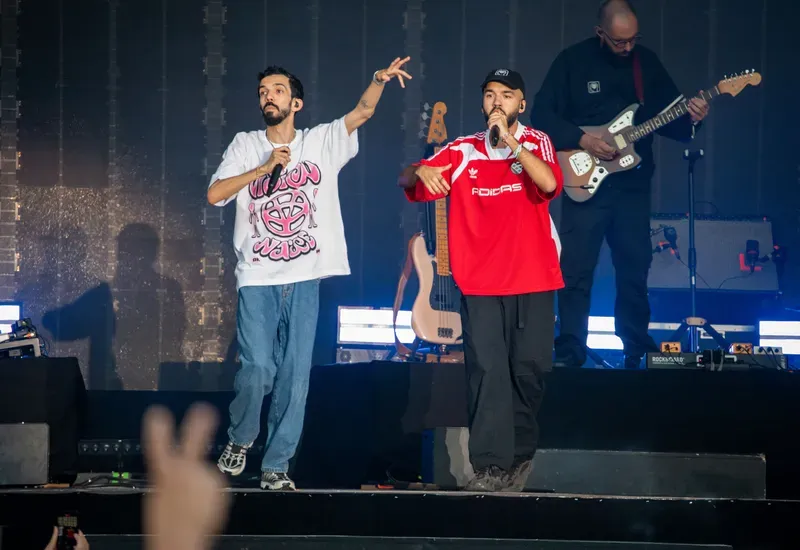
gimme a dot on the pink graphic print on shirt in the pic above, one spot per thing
(287, 214)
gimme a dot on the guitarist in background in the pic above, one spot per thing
(588, 84)
(504, 259)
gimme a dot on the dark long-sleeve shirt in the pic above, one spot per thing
(588, 85)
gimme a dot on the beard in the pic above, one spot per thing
(273, 119)
(510, 119)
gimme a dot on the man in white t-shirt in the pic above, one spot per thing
(287, 237)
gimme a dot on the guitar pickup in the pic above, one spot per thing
(620, 141)
(445, 332)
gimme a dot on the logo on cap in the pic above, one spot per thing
(501, 72)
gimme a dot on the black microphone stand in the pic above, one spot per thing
(694, 323)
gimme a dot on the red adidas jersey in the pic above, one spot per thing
(501, 237)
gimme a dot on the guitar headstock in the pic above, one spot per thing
(437, 132)
(732, 85)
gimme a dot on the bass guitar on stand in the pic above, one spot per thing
(584, 173)
(435, 317)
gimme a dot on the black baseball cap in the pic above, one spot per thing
(510, 78)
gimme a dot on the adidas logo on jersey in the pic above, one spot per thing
(494, 191)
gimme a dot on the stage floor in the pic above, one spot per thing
(763, 524)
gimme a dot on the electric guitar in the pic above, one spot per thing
(584, 173)
(435, 314)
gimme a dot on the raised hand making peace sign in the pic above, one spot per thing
(394, 70)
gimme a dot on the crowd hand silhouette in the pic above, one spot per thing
(187, 506)
(80, 540)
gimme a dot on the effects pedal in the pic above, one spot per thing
(670, 347)
(738, 347)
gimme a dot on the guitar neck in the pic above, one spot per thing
(442, 248)
(440, 226)
(646, 128)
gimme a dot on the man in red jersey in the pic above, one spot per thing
(504, 259)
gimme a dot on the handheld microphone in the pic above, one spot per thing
(273, 179)
(494, 136)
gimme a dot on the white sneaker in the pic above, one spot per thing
(232, 459)
(276, 481)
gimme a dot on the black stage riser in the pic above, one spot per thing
(112, 542)
(618, 473)
(363, 419)
(764, 525)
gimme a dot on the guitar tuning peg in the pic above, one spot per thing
(425, 116)
(427, 106)
(421, 134)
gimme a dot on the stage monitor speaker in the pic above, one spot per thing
(41, 390)
(721, 245)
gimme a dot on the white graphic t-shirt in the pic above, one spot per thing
(296, 234)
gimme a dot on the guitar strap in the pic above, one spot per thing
(637, 76)
(402, 350)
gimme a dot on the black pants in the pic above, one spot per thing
(622, 216)
(508, 347)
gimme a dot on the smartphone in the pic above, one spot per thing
(67, 529)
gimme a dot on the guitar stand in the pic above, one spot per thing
(435, 353)
(693, 323)
(440, 354)
(599, 361)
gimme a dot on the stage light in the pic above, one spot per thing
(782, 334)
(368, 326)
(10, 313)
(601, 334)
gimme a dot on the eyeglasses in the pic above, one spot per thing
(624, 42)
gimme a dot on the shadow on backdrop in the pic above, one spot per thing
(149, 307)
(65, 312)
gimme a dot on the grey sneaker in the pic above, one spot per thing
(487, 479)
(276, 481)
(517, 476)
(232, 459)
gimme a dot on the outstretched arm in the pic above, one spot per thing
(369, 99)
(430, 179)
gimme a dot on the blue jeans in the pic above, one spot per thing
(276, 326)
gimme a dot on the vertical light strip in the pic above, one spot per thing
(113, 167)
(163, 183)
(11, 160)
(314, 92)
(659, 191)
(708, 181)
(762, 103)
(114, 186)
(362, 162)
(211, 307)
(513, 15)
(463, 49)
(60, 184)
(265, 33)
